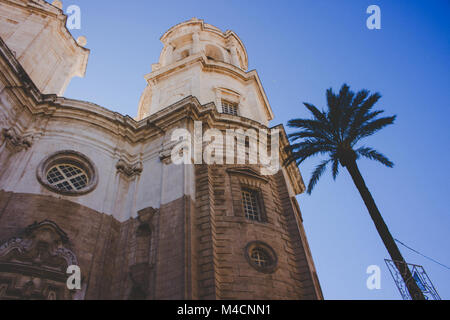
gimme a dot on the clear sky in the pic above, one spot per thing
(300, 49)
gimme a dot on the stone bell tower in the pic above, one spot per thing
(200, 60)
(244, 231)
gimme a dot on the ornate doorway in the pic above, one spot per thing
(33, 265)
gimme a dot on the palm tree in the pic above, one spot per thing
(336, 132)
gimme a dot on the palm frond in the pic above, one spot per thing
(375, 155)
(359, 117)
(316, 175)
(332, 99)
(374, 126)
(321, 129)
(308, 124)
(369, 103)
(319, 115)
(351, 110)
(304, 134)
(299, 152)
(345, 110)
(359, 98)
(372, 115)
(336, 109)
(335, 169)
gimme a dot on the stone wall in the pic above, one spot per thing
(184, 250)
(223, 232)
(89, 232)
(148, 229)
(143, 258)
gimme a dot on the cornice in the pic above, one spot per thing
(132, 131)
(248, 172)
(210, 28)
(292, 169)
(213, 66)
(42, 7)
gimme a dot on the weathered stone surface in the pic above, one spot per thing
(30, 28)
(149, 229)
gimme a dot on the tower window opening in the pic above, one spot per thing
(229, 108)
(213, 53)
(184, 54)
(260, 258)
(250, 201)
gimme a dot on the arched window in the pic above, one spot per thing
(213, 53)
(183, 55)
(251, 204)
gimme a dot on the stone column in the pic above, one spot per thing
(169, 54)
(234, 56)
(195, 43)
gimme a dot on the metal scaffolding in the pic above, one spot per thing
(418, 274)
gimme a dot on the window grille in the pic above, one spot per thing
(251, 205)
(229, 108)
(67, 177)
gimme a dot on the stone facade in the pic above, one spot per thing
(142, 227)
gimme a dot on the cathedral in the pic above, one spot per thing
(84, 186)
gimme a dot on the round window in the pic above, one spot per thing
(68, 173)
(261, 257)
(67, 177)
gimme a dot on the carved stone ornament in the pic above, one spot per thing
(165, 155)
(33, 265)
(130, 170)
(15, 141)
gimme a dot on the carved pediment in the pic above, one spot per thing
(33, 264)
(247, 172)
(42, 245)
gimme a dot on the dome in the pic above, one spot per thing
(202, 61)
(195, 36)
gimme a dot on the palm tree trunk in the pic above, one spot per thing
(383, 231)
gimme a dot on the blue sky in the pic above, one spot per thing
(300, 49)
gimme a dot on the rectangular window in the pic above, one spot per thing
(251, 203)
(229, 108)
